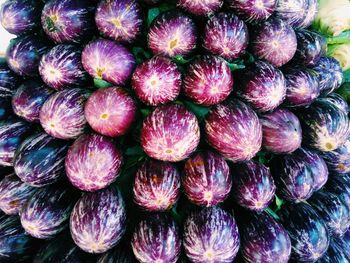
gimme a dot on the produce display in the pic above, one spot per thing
(175, 131)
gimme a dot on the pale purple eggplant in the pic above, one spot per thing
(9, 81)
(156, 239)
(39, 160)
(61, 67)
(62, 115)
(253, 10)
(120, 255)
(98, 220)
(339, 186)
(253, 186)
(225, 35)
(200, 8)
(170, 133)
(344, 243)
(120, 20)
(157, 81)
(172, 33)
(156, 186)
(206, 179)
(338, 101)
(211, 235)
(108, 60)
(338, 161)
(233, 129)
(208, 80)
(334, 254)
(29, 98)
(110, 111)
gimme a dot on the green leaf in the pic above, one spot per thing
(145, 112)
(136, 150)
(234, 66)
(272, 213)
(199, 111)
(152, 14)
(101, 84)
(343, 38)
(178, 59)
(279, 203)
(346, 75)
(140, 54)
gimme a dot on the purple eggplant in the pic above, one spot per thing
(156, 185)
(157, 81)
(62, 115)
(61, 67)
(339, 186)
(93, 162)
(172, 33)
(253, 186)
(9, 81)
(208, 80)
(338, 101)
(307, 231)
(98, 220)
(234, 130)
(334, 254)
(156, 239)
(110, 111)
(225, 35)
(274, 41)
(170, 133)
(206, 180)
(211, 235)
(200, 8)
(39, 160)
(12, 133)
(120, 20)
(29, 98)
(20, 16)
(302, 86)
(119, 255)
(24, 53)
(68, 20)
(338, 161)
(253, 10)
(107, 60)
(344, 243)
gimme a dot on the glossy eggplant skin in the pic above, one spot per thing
(9, 80)
(338, 161)
(253, 10)
(200, 8)
(338, 101)
(120, 255)
(340, 186)
(344, 243)
(334, 254)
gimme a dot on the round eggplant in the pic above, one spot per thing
(340, 187)
(338, 161)
(344, 243)
(334, 254)
(9, 81)
(338, 101)
(253, 10)
(200, 8)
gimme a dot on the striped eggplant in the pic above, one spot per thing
(156, 185)
(340, 186)
(200, 8)
(325, 127)
(9, 81)
(274, 41)
(29, 98)
(225, 35)
(344, 243)
(338, 161)
(233, 129)
(107, 60)
(14, 194)
(170, 133)
(307, 231)
(110, 111)
(62, 115)
(334, 254)
(171, 34)
(211, 235)
(120, 20)
(208, 80)
(61, 67)
(263, 239)
(119, 255)
(338, 101)
(253, 186)
(68, 20)
(157, 81)
(23, 54)
(253, 10)
(261, 85)
(39, 160)
(98, 220)
(156, 239)
(47, 212)
(206, 179)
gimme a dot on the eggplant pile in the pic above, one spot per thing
(172, 131)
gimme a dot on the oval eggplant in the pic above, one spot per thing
(156, 185)
(234, 130)
(156, 239)
(207, 180)
(170, 133)
(340, 187)
(98, 220)
(338, 101)
(110, 111)
(334, 254)
(9, 81)
(225, 35)
(39, 160)
(253, 10)
(200, 8)
(344, 243)
(211, 235)
(338, 161)
(253, 186)
(119, 255)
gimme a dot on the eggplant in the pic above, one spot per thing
(156, 239)
(211, 235)
(117, 255)
(225, 35)
(98, 220)
(206, 179)
(110, 111)
(340, 186)
(334, 254)
(338, 161)
(171, 34)
(344, 243)
(9, 81)
(253, 10)
(200, 8)
(39, 160)
(253, 186)
(170, 133)
(233, 129)
(156, 186)
(338, 101)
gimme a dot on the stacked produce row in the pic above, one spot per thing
(174, 131)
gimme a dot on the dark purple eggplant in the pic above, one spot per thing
(340, 186)
(334, 254)
(344, 243)
(338, 161)
(9, 81)
(253, 10)
(117, 255)
(338, 101)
